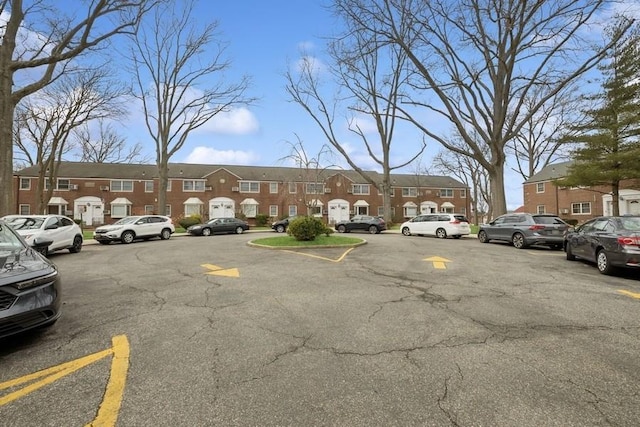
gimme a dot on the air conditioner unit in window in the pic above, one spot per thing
(104, 187)
(73, 186)
(350, 191)
(235, 188)
(327, 190)
(565, 211)
(437, 194)
(208, 188)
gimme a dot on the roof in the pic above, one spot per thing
(84, 170)
(550, 172)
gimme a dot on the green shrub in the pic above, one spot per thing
(306, 228)
(189, 221)
(262, 220)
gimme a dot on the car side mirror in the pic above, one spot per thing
(42, 242)
(492, 223)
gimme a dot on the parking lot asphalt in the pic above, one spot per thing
(400, 331)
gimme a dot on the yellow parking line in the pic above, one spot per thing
(110, 407)
(629, 294)
(321, 257)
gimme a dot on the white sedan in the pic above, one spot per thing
(61, 230)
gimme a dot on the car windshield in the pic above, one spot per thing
(127, 220)
(631, 224)
(9, 242)
(548, 220)
(26, 223)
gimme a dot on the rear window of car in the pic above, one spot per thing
(631, 224)
(548, 220)
(461, 218)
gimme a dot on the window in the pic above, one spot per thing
(121, 185)
(250, 210)
(463, 193)
(168, 210)
(361, 210)
(249, 187)
(120, 210)
(360, 189)
(25, 209)
(273, 211)
(409, 192)
(25, 184)
(410, 211)
(315, 188)
(446, 209)
(446, 193)
(62, 184)
(192, 209)
(540, 209)
(540, 187)
(380, 210)
(168, 185)
(293, 210)
(315, 210)
(273, 187)
(193, 185)
(148, 186)
(583, 208)
(292, 188)
(148, 209)
(463, 211)
(391, 193)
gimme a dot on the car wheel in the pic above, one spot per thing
(239, 230)
(206, 231)
(569, 254)
(602, 260)
(373, 230)
(165, 234)
(441, 233)
(342, 229)
(127, 237)
(280, 229)
(77, 245)
(406, 231)
(482, 236)
(518, 241)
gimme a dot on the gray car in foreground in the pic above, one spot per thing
(524, 229)
(609, 241)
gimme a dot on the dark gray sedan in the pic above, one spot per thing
(523, 229)
(219, 226)
(371, 224)
(609, 241)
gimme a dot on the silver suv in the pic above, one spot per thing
(523, 229)
(131, 228)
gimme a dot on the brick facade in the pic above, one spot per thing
(100, 193)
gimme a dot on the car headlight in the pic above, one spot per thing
(38, 281)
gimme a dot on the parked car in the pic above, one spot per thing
(131, 228)
(440, 225)
(219, 225)
(372, 224)
(29, 284)
(609, 241)
(281, 225)
(63, 232)
(524, 229)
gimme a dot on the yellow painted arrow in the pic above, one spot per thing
(438, 262)
(630, 294)
(219, 271)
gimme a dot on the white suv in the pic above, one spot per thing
(131, 228)
(440, 225)
(61, 230)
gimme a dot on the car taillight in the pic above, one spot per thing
(454, 221)
(628, 241)
(536, 227)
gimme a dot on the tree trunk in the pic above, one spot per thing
(496, 184)
(7, 203)
(163, 178)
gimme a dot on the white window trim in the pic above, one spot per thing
(121, 190)
(271, 188)
(273, 211)
(28, 181)
(573, 212)
(249, 183)
(448, 191)
(194, 181)
(28, 212)
(538, 187)
(361, 187)
(415, 191)
(145, 186)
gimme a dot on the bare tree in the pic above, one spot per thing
(179, 70)
(312, 167)
(106, 145)
(45, 123)
(539, 143)
(476, 62)
(30, 61)
(472, 174)
(372, 76)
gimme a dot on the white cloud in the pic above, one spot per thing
(306, 46)
(238, 121)
(310, 64)
(208, 155)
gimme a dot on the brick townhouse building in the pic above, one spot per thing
(100, 193)
(541, 195)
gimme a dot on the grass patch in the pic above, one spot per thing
(287, 241)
